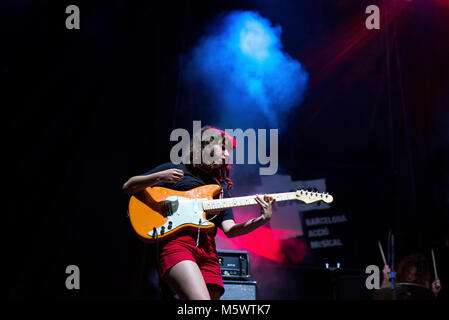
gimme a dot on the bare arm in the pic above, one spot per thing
(386, 277)
(436, 286)
(231, 229)
(139, 183)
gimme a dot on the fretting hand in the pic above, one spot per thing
(266, 206)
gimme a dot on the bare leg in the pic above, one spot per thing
(186, 280)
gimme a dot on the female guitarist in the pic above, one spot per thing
(188, 261)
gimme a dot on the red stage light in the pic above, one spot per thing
(277, 245)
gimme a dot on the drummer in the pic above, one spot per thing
(415, 269)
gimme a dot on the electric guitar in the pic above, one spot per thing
(158, 213)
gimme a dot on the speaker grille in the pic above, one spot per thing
(239, 290)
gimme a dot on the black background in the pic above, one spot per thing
(86, 109)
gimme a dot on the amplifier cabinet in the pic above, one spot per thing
(239, 290)
(234, 264)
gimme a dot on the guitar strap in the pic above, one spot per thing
(221, 196)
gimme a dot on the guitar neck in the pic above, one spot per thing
(221, 204)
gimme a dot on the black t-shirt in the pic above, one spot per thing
(193, 179)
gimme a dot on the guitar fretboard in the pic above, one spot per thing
(221, 204)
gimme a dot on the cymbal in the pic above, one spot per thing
(404, 291)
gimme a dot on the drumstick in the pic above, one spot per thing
(434, 265)
(382, 253)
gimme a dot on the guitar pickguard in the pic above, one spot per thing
(181, 211)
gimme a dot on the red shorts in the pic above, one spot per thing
(184, 248)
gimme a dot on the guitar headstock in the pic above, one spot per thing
(310, 196)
